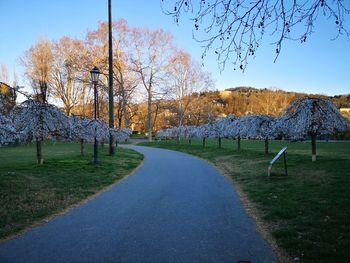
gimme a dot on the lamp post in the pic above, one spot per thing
(95, 72)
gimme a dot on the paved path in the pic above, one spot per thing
(175, 208)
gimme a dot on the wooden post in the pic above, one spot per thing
(189, 141)
(238, 144)
(313, 146)
(177, 139)
(219, 142)
(204, 142)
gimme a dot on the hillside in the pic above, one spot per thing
(199, 108)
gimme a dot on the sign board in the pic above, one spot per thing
(275, 159)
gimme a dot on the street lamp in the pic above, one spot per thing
(95, 72)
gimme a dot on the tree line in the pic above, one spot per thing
(147, 67)
(304, 118)
(156, 84)
(207, 106)
(33, 121)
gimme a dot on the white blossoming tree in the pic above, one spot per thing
(311, 117)
(260, 127)
(204, 132)
(234, 131)
(220, 127)
(120, 134)
(36, 121)
(80, 132)
(164, 134)
(189, 133)
(8, 132)
(96, 128)
(160, 134)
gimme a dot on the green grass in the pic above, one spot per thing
(307, 212)
(138, 136)
(30, 193)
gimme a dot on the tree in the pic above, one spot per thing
(85, 130)
(7, 131)
(4, 75)
(38, 65)
(64, 76)
(124, 77)
(311, 117)
(38, 121)
(190, 132)
(257, 127)
(185, 78)
(8, 97)
(234, 30)
(78, 131)
(97, 128)
(153, 50)
(7, 93)
(120, 134)
(204, 132)
(221, 126)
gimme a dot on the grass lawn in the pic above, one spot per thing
(138, 136)
(308, 211)
(30, 193)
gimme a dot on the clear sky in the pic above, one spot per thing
(318, 66)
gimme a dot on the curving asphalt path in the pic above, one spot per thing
(175, 208)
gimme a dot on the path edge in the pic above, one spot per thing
(73, 206)
(262, 227)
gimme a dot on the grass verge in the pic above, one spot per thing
(30, 193)
(308, 211)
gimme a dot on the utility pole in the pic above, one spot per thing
(110, 78)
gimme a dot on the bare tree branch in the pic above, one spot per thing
(234, 29)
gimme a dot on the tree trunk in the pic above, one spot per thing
(67, 109)
(149, 116)
(177, 140)
(239, 144)
(82, 147)
(313, 146)
(266, 146)
(102, 144)
(189, 141)
(116, 143)
(219, 142)
(39, 153)
(125, 113)
(203, 142)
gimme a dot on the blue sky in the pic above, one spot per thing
(318, 66)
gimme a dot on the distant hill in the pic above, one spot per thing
(342, 101)
(243, 89)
